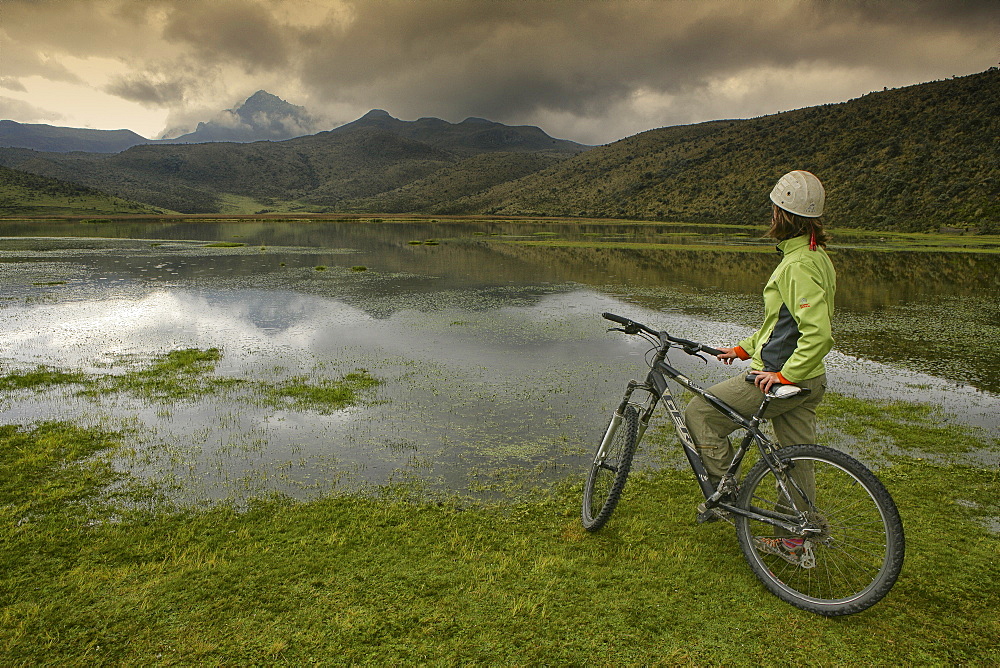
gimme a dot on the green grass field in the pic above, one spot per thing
(92, 577)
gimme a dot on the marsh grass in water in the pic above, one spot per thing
(392, 580)
(872, 240)
(40, 378)
(638, 245)
(186, 361)
(175, 375)
(323, 396)
(187, 374)
(913, 428)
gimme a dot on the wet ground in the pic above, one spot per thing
(497, 369)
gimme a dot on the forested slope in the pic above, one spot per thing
(914, 158)
(362, 164)
(22, 193)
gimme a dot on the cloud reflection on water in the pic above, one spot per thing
(477, 388)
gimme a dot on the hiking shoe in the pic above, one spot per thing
(796, 551)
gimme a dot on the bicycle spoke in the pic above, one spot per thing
(856, 541)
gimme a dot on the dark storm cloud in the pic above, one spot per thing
(485, 58)
(604, 67)
(511, 58)
(229, 31)
(144, 90)
(967, 13)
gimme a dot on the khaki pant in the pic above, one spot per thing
(793, 419)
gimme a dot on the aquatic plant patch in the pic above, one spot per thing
(323, 395)
(908, 427)
(172, 376)
(631, 245)
(186, 374)
(40, 378)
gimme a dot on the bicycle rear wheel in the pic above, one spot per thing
(608, 473)
(856, 552)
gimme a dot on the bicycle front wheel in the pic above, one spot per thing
(609, 470)
(853, 552)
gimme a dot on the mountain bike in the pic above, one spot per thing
(817, 528)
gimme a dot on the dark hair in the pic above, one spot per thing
(785, 225)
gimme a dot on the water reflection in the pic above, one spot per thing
(919, 310)
(498, 369)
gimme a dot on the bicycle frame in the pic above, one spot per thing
(850, 545)
(657, 388)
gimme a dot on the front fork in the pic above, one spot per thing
(645, 412)
(656, 389)
(609, 435)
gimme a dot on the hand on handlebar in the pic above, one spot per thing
(727, 355)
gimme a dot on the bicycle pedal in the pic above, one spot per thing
(706, 515)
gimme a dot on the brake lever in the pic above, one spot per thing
(695, 352)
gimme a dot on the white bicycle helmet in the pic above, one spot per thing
(801, 193)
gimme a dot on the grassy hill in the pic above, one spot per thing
(359, 165)
(61, 140)
(911, 159)
(916, 158)
(438, 190)
(29, 194)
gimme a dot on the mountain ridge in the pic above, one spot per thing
(266, 117)
(261, 117)
(56, 139)
(357, 161)
(913, 158)
(471, 136)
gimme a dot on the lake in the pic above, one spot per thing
(498, 372)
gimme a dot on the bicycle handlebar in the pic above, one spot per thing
(629, 324)
(633, 327)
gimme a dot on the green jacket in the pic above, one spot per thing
(798, 314)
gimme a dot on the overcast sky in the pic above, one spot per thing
(588, 70)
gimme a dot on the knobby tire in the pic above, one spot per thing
(606, 478)
(859, 552)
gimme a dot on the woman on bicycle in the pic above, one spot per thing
(794, 338)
